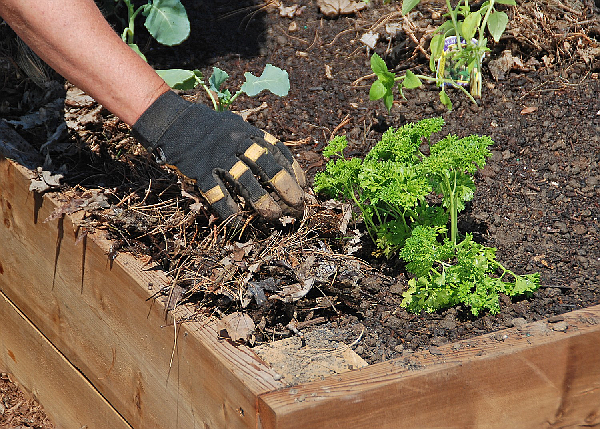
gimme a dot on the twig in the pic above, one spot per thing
(408, 30)
(339, 34)
(307, 323)
(314, 40)
(174, 343)
(292, 37)
(355, 342)
(344, 122)
(360, 79)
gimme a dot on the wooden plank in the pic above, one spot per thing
(531, 378)
(68, 398)
(99, 314)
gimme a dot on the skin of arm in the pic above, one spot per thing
(74, 39)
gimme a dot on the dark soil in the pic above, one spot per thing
(537, 200)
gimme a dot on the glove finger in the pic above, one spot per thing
(216, 194)
(253, 192)
(259, 156)
(281, 153)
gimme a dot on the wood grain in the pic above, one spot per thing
(68, 398)
(533, 378)
(99, 313)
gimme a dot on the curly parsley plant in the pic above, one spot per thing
(391, 186)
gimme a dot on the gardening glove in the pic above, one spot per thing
(215, 148)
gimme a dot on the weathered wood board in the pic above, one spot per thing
(99, 314)
(67, 396)
(536, 377)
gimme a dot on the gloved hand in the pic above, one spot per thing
(218, 147)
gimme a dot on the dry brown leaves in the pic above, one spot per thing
(555, 29)
(332, 8)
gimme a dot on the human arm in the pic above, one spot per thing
(75, 40)
(218, 150)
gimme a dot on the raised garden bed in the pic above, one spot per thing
(88, 312)
(85, 333)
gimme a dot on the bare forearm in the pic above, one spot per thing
(74, 38)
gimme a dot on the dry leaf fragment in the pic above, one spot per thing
(245, 114)
(370, 39)
(328, 73)
(257, 289)
(393, 28)
(237, 326)
(291, 11)
(332, 8)
(589, 53)
(52, 110)
(501, 66)
(295, 291)
(92, 200)
(77, 98)
(45, 181)
(528, 110)
(346, 217)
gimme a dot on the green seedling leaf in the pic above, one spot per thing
(497, 24)
(469, 25)
(447, 28)
(335, 146)
(181, 79)
(408, 5)
(507, 2)
(377, 90)
(167, 21)
(525, 284)
(383, 86)
(437, 46)
(216, 79)
(272, 79)
(411, 80)
(388, 100)
(445, 100)
(380, 69)
(136, 49)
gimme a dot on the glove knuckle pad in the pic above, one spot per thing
(238, 169)
(287, 187)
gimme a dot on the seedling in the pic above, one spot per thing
(392, 188)
(272, 79)
(166, 21)
(451, 62)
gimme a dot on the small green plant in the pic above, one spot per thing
(166, 21)
(272, 79)
(392, 187)
(454, 60)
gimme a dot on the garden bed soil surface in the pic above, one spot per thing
(537, 199)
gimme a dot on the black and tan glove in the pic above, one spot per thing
(215, 148)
